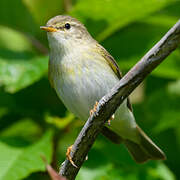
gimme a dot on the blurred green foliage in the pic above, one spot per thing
(34, 122)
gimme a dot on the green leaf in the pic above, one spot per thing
(18, 70)
(42, 10)
(60, 122)
(18, 163)
(14, 14)
(94, 173)
(169, 119)
(109, 171)
(9, 38)
(17, 129)
(174, 88)
(161, 172)
(109, 16)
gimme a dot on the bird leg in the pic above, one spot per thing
(68, 156)
(94, 109)
(109, 121)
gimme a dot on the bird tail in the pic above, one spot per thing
(141, 152)
(145, 150)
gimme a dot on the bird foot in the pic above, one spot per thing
(109, 121)
(94, 109)
(68, 156)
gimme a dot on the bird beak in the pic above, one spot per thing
(48, 29)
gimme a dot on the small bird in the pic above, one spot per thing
(81, 71)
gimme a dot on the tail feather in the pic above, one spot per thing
(150, 147)
(145, 150)
(137, 153)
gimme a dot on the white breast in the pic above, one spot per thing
(82, 82)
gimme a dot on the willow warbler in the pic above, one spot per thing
(81, 71)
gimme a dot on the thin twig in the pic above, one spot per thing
(110, 102)
(37, 44)
(34, 41)
(52, 173)
(67, 5)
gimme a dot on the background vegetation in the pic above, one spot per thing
(33, 121)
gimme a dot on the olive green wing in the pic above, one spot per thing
(113, 64)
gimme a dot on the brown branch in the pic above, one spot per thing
(110, 102)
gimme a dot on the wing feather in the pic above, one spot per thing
(113, 64)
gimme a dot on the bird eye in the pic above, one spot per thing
(67, 26)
